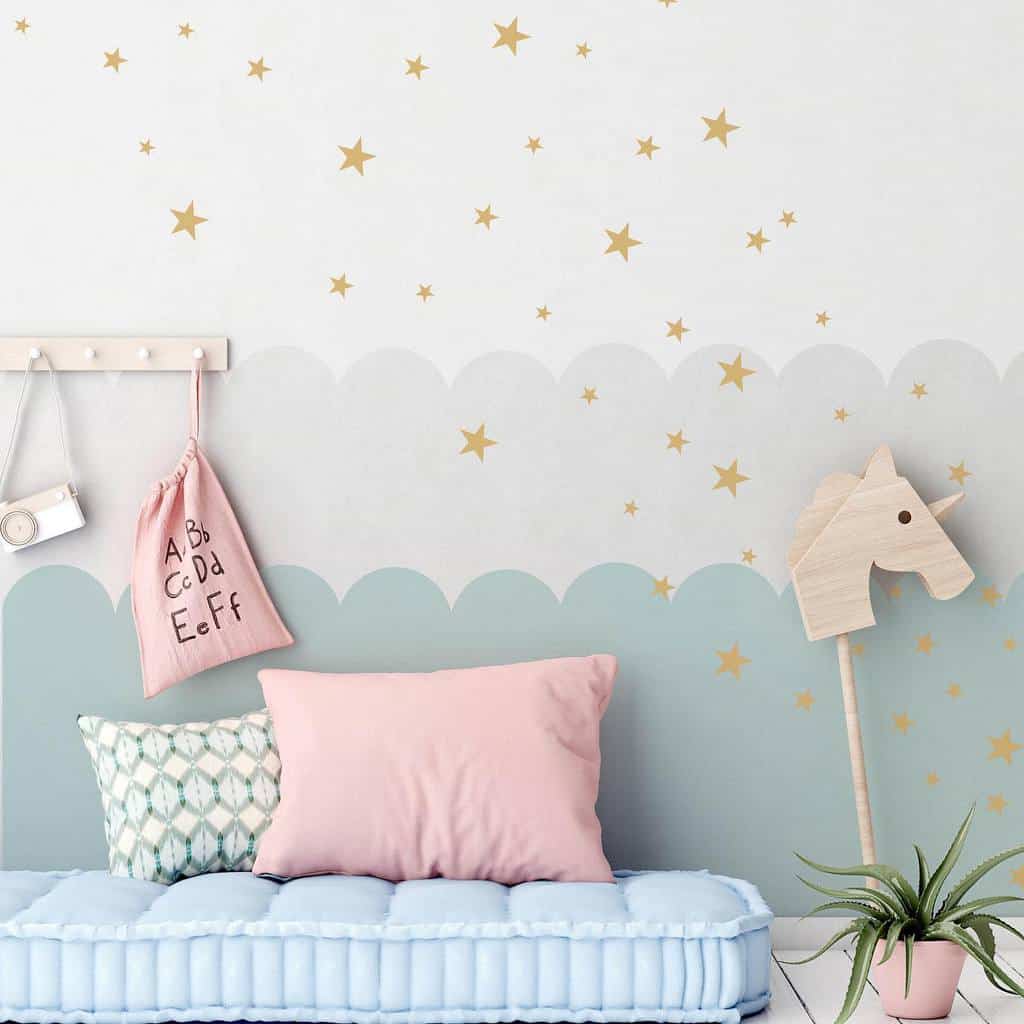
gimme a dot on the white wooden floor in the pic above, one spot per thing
(813, 993)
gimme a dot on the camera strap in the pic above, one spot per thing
(17, 418)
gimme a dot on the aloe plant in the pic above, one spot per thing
(896, 910)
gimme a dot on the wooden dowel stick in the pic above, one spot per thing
(860, 778)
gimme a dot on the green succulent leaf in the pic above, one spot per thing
(892, 936)
(923, 871)
(859, 974)
(987, 938)
(889, 906)
(971, 879)
(993, 922)
(942, 872)
(853, 905)
(966, 909)
(908, 949)
(967, 942)
(850, 929)
(888, 876)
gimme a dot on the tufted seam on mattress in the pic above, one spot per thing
(57, 880)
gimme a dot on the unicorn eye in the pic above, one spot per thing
(904, 517)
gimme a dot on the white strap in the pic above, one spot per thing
(17, 419)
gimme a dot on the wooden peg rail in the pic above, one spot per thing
(123, 354)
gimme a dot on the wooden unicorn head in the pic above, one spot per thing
(855, 522)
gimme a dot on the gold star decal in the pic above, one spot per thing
(476, 442)
(533, 144)
(647, 147)
(731, 661)
(185, 30)
(933, 779)
(756, 240)
(257, 69)
(356, 156)
(424, 292)
(22, 26)
(114, 59)
(954, 690)
(582, 50)
(902, 722)
(676, 441)
(734, 372)
(729, 478)
(542, 313)
(787, 218)
(509, 35)
(990, 595)
(589, 395)
(145, 146)
(662, 587)
(895, 591)
(857, 649)
(340, 285)
(676, 329)
(925, 643)
(918, 390)
(485, 216)
(620, 242)
(668, 3)
(804, 700)
(631, 508)
(959, 473)
(1017, 874)
(748, 556)
(822, 318)
(997, 803)
(1003, 747)
(841, 414)
(1010, 644)
(187, 220)
(719, 128)
(416, 67)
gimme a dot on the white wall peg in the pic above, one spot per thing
(34, 353)
(89, 352)
(143, 353)
(198, 353)
(136, 353)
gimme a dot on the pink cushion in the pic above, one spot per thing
(486, 773)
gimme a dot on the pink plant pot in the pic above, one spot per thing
(933, 979)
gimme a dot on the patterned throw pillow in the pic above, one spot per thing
(182, 800)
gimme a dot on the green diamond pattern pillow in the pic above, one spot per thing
(182, 800)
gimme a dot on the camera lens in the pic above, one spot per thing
(18, 527)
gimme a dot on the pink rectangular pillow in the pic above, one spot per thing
(485, 773)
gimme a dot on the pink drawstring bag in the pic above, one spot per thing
(197, 597)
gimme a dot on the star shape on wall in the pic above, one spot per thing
(997, 803)
(841, 414)
(589, 395)
(185, 30)
(1017, 874)
(1010, 644)
(676, 329)
(187, 220)
(731, 661)
(804, 701)
(822, 318)
(954, 690)
(509, 35)
(542, 313)
(748, 556)
(533, 143)
(356, 156)
(676, 441)
(925, 643)
(719, 128)
(424, 292)
(1003, 747)
(990, 595)
(959, 473)
(729, 478)
(485, 216)
(22, 26)
(902, 722)
(787, 218)
(668, 3)
(416, 67)
(257, 69)
(918, 390)
(857, 649)
(895, 591)
(582, 50)
(114, 59)
(662, 587)
(620, 242)
(631, 508)
(647, 147)
(932, 778)
(340, 285)
(146, 146)
(756, 240)
(734, 372)
(476, 442)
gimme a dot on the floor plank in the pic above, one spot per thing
(822, 986)
(1013, 958)
(785, 1007)
(988, 1002)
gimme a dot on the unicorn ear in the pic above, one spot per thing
(880, 469)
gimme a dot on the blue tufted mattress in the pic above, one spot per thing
(655, 946)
